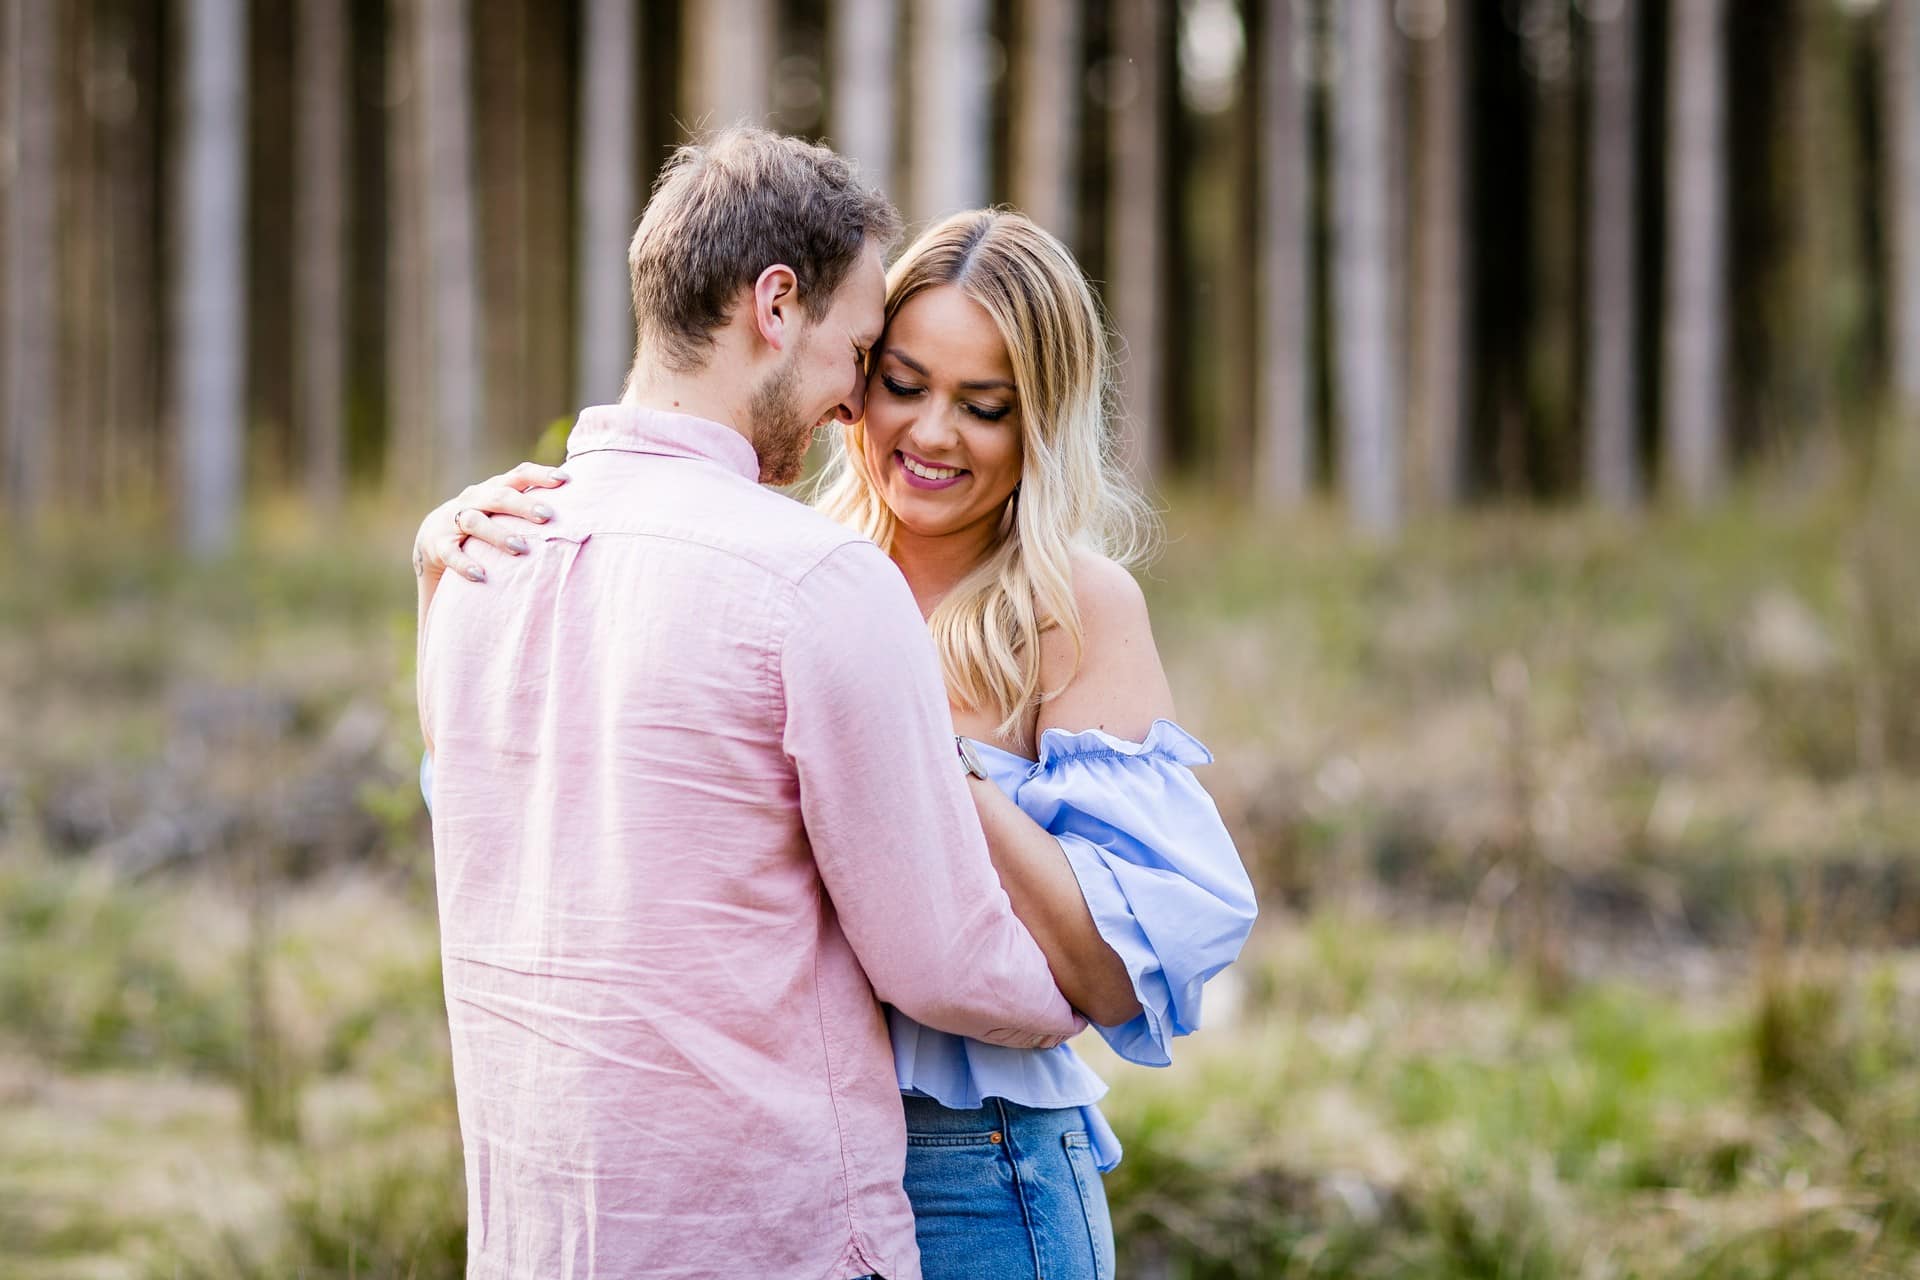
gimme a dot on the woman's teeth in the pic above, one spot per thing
(929, 473)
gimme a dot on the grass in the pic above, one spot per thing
(1590, 856)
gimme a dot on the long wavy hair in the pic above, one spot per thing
(1073, 490)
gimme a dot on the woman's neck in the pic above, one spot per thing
(934, 565)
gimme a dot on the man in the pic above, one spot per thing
(696, 800)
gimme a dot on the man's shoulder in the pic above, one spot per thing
(702, 506)
(787, 538)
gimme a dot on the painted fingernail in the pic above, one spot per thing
(561, 475)
(541, 511)
(476, 573)
(517, 545)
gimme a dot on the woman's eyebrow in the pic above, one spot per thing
(978, 384)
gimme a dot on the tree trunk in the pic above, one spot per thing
(1440, 305)
(866, 44)
(1613, 258)
(130, 463)
(504, 37)
(1284, 444)
(549, 373)
(320, 353)
(1136, 234)
(409, 400)
(209, 343)
(1902, 114)
(1046, 152)
(1693, 380)
(31, 360)
(455, 306)
(1554, 323)
(604, 343)
(1367, 365)
(952, 115)
(727, 62)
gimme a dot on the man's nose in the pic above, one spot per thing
(854, 407)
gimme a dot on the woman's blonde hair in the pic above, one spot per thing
(1073, 491)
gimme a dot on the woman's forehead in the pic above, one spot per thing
(944, 328)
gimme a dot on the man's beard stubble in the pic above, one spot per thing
(780, 434)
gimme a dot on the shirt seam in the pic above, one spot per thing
(833, 1102)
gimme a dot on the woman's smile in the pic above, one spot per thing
(922, 474)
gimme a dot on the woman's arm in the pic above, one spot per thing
(1046, 896)
(437, 546)
(1118, 686)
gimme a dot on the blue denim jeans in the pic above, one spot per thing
(1006, 1192)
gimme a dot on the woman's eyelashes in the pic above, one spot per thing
(907, 392)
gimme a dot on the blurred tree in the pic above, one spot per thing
(1553, 328)
(125, 57)
(1438, 370)
(1284, 442)
(865, 53)
(31, 358)
(1693, 375)
(209, 335)
(445, 59)
(409, 399)
(1366, 361)
(78, 318)
(728, 56)
(951, 129)
(1049, 85)
(320, 349)
(608, 198)
(1613, 268)
(1135, 84)
(1901, 55)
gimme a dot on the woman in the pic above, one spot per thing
(984, 468)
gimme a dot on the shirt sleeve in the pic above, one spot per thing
(1159, 871)
(894, 832)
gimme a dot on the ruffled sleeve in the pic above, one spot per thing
(1159, 872)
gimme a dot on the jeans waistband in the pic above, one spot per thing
(926, 1116)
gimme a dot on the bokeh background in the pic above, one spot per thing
(1533, 388)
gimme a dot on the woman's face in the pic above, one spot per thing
(943, 417)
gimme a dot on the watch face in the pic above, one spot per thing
(970, 758)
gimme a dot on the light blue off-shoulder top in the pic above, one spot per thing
(1166, 889)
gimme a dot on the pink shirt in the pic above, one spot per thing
(696, 813)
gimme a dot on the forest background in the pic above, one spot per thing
(1533, 388)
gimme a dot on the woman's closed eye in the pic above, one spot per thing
(907, 391)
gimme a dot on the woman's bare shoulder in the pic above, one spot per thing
(1118, 685)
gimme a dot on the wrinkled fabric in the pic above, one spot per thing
(1166, 889)
(695, 813)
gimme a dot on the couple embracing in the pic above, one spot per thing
(781, 849)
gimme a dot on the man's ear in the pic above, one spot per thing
(776, 298)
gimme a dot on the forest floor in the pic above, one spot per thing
(1590, 868)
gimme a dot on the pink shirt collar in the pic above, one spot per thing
(632, 429)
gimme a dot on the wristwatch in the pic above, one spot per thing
(969, 758)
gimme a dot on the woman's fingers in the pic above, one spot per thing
(500, 499)
(531, 475)
(474, 522)
(459, 561)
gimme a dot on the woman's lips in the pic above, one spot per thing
(940, 479)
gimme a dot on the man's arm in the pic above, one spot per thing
(886, 808)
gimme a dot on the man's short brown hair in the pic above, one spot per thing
(726, 209)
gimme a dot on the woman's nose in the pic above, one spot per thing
(934, 429)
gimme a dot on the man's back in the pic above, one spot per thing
(668, 1059)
